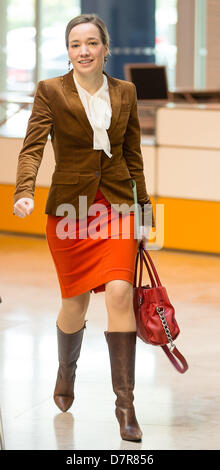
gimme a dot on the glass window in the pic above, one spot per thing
(54, 16)
(200, 45)
(32, 38)
(165, 43)
(19, 61)
(32, 48)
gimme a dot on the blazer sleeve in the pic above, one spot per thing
(134, 159)
(39, 126)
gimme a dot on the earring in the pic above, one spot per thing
(105, 61)
(69, 62)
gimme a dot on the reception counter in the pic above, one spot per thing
(181, 166)
(187, 167)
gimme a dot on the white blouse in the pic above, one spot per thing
(99, 113)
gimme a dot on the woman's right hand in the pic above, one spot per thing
(23, 207)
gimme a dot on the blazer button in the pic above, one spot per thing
(96, 173)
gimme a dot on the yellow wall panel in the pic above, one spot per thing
(191, 224)
(34, 223)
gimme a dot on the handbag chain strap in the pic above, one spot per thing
(161, 312)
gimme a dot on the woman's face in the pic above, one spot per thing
(86, 49)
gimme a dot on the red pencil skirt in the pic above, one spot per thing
(97, 250)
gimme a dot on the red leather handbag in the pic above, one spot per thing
(155, 315)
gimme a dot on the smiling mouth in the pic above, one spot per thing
(88, 61)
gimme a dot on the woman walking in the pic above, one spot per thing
(95, 133)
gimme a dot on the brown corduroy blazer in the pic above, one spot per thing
(80, 170)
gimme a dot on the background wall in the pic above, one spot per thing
(131, 27)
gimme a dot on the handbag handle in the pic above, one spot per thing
(141, 247)
(179, 356)
(141, 271)
(149, 265)
(136, 211)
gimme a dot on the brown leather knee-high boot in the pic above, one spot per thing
(69, 346)
(122, 349)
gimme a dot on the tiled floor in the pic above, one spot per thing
(174, 411)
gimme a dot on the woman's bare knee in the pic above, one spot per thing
(76, 305)
(119, 304)
(71, 317)
(119, 295)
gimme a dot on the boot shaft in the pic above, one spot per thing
(122, 352)
(69, 345)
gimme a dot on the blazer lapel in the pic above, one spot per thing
(77, 107)
(75, 102)
(115, 98)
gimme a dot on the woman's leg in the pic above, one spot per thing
(70, 331)
(119, 304)
(121, 340)
(71, 317)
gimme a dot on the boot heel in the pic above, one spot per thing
(129, 427)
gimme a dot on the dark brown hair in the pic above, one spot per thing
(89, 18)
